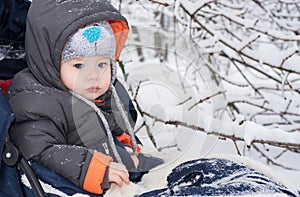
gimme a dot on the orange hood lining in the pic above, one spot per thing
(121, 30)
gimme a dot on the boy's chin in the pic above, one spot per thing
(92, 97)
(89, 96)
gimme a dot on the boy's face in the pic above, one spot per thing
(87, 76)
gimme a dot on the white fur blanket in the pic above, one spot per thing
(156, 178)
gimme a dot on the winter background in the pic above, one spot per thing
(216, 77)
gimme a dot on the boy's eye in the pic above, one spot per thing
(79, 66)
(102, 65)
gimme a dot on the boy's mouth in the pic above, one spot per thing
(93, 89)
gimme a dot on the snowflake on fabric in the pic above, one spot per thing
(92, 34)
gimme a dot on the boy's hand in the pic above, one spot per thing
(133, 157)
(118, 174)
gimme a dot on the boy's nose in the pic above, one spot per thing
(93, 74)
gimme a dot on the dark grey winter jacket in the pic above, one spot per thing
(52, 127)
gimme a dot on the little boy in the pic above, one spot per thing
(69, 116)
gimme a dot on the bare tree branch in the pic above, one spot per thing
(205, 99)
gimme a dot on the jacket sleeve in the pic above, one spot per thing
(41, 141)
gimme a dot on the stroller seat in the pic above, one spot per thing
(11, 158)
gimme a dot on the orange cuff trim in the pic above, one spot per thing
(95, 173)
(125, 139)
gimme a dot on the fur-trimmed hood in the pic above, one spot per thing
(50, 25)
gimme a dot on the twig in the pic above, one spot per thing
(137, 90)
(237, 148)
(280, 154)
(186, 100)
(174, 122)
(205, 99)
(250, 42)
(151, 137)
(140, 127)
(160, 3)
(246, 78)
(287, 57)
(290, 146)
(165, 147)
(272, 161)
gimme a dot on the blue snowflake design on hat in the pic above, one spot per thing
(92, 34)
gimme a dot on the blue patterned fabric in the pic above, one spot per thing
(217, 177)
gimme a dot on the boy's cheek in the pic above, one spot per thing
(69, 82)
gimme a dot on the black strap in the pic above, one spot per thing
(32, 178)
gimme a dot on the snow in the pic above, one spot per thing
(255, 131)
(251, 131)
(159, 96)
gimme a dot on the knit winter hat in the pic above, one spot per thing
(95, 39)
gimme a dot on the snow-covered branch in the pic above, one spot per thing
(246, 131)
